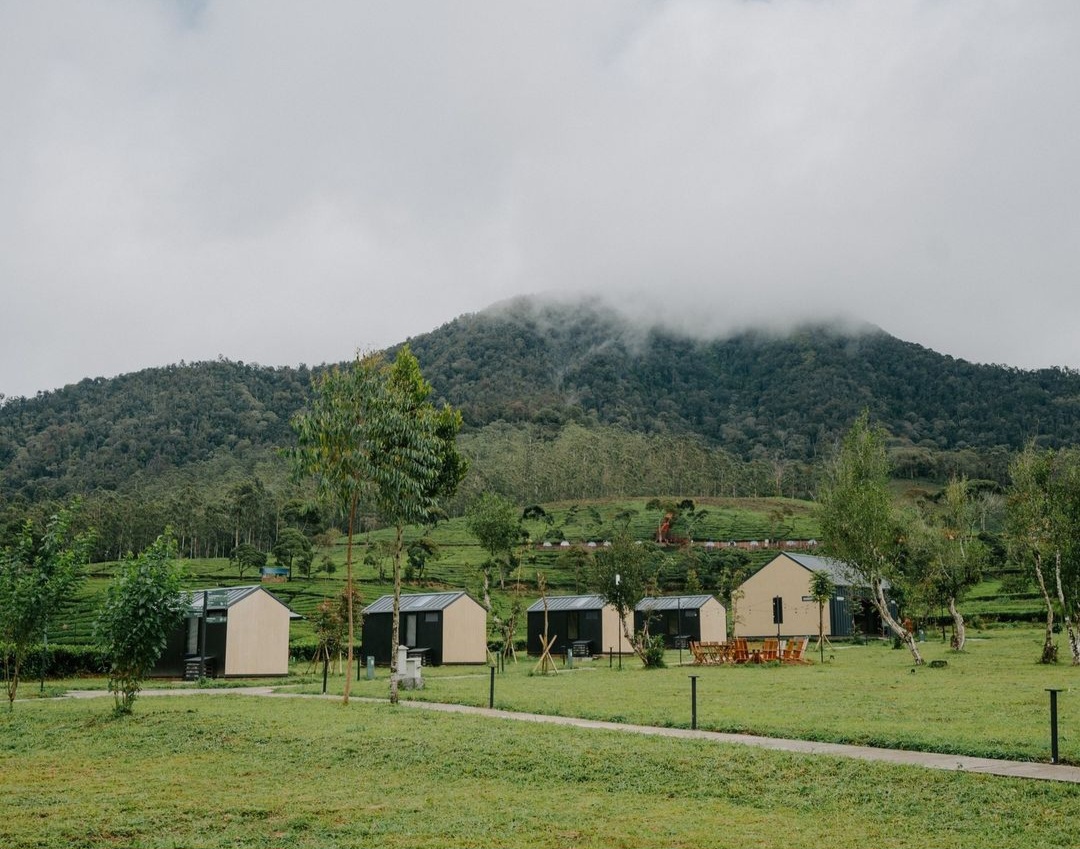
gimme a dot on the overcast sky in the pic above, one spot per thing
(287, 182)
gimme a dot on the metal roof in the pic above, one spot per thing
(233, 595)
(673, 602)
(568, 602)
(841, 573)
(415, 602)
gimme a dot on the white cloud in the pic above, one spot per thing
(282, 183)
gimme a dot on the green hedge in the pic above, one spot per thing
(64, 661)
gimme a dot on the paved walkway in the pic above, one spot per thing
(930, 760)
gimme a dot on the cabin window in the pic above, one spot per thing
(572, 629)
(410, 630)
(431, 617)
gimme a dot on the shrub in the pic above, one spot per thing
(652, 650)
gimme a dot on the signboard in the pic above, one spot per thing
(807, 598)
(217, 619)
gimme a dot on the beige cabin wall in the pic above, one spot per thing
(257, 640)
(782, 577)
(464, 632)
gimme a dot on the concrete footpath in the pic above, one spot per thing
(929, 760)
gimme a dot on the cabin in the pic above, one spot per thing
(229, 632)
(584, 624)
(447, 627)
(787, 577)
(682, 619)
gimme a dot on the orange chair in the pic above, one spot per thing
(771, 651)
(740, 653)
(795, 651)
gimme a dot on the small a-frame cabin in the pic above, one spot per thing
(787, 577)
(682, 619)
(584, 624)
(449, 627)
(230, 632)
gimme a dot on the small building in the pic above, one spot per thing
(230, 632)
(787, 577)
(585, 624)
(449, 627)
(697, 618)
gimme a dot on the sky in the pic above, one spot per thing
(283, 183)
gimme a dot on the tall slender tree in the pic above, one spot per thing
(373, 434)
(859, 524)
(1030, 527)
(338, 444)
(416, 467)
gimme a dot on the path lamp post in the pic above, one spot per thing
(618, 579)
(1053, 725)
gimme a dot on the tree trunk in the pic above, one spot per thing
(395, 626)
(486, 572)
(349, 600)
(899, 630)
(821, 629)
(1049, 652)
(1070, 626)
(960, 634)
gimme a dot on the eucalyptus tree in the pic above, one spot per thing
(416, 467)
(859, 523)
(37, 576)
(957, 554)
(373, 435)
(338, 440)
(1030, 526)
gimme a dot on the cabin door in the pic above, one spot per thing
(410, 630)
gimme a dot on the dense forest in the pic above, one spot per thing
(561, 401)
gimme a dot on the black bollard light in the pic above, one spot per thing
(1053, 725)
(491, 689)
(693, 702)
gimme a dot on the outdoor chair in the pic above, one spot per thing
(771, 651)
(795, 651)
(740, 653)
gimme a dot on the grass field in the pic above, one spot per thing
(229, 771)
(989, 701)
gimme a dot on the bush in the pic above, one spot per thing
(653, 650)
(62, 661)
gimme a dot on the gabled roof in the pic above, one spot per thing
(673, 602)
(568, 602)
(231, 596)
(416, 602)
(841, 574)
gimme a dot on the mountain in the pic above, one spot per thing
(754, 394)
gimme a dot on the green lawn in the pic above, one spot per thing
(230, 771)
(990, 701)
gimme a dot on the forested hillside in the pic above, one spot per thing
(561, 401)
(753, 393)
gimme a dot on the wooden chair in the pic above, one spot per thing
(739, 651)
(771, 651)
(795, 651)
(697, 653)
